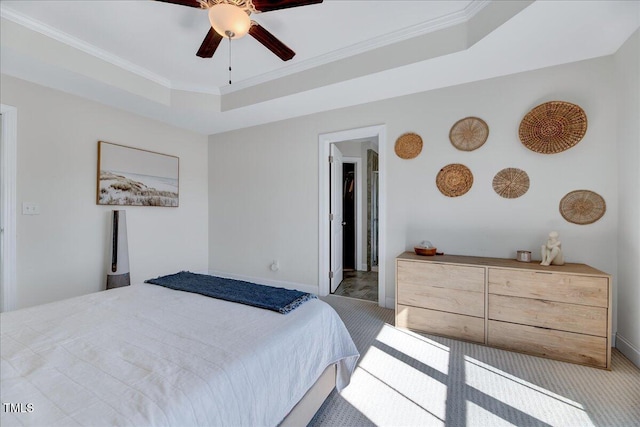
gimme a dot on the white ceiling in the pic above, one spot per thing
(140, 55)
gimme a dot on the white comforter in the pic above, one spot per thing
(146, 355)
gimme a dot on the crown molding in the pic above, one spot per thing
(81, 45)
(209, 90)
(398, 36)
(426, 27)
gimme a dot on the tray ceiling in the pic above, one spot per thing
(140, 55)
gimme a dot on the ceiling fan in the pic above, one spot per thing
(230, 18)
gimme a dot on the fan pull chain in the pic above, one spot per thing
(230, 34)
(229, 60)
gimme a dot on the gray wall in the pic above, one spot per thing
(263, 187)
(63, 251)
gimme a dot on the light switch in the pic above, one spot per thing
(30, 208)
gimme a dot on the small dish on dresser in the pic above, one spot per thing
(424, 251)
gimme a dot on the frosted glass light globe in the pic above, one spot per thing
(229, 21)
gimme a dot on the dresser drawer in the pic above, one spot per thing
(582, 319)
(440, 323)
(441, 275)
(575, 289)
(443, 299)
(560, 312)
(560, 345)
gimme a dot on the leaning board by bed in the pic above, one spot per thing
(146, 355)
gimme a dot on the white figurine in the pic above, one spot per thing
(552, 251)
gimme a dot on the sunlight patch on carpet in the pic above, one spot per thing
(411, 374)
(373, 398)
(418, 387)
(424, 350)
(528, 398)
(383, 381)
(479, 416)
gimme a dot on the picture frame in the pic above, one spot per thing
(129, 176)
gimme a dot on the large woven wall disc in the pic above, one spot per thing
(408, 146)
(553, 127)
(582, 207)
(469, 133)
(511, 183)
(454, 180)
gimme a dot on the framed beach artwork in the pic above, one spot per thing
(133, 177)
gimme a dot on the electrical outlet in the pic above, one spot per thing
(30, 208)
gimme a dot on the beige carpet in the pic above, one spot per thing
(406, 379)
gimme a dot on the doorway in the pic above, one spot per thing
(349, 216)
(358, 278)
(328, 227)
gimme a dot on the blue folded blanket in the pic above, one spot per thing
(261, 296)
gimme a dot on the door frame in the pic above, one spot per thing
(324, 142)
(9, 156)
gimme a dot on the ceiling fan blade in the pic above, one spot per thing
(209, 44)
(268, 5)
(190, 3)
(270, 42)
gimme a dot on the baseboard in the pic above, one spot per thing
(363, 267)
(626, 348)
(261, 281)
(390, 303)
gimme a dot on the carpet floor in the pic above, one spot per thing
(408, 379)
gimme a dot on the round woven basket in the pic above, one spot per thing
(408, 145)
(469, 133)
(511, 183)
(582, 207)
(553, 127)
(454, 180)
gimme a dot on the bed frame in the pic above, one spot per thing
(307, 407)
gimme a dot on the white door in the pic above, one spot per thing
(336, 225)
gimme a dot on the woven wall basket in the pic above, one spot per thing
(408, 145)
(553, 127)
(454, 180)
(469, 133)
(511, 183)
(582, 207)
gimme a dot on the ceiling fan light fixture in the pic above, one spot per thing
(229, 20)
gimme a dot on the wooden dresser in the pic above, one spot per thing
(560, 312)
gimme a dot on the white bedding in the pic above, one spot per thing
(147, 355)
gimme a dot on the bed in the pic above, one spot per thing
(145, 355)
